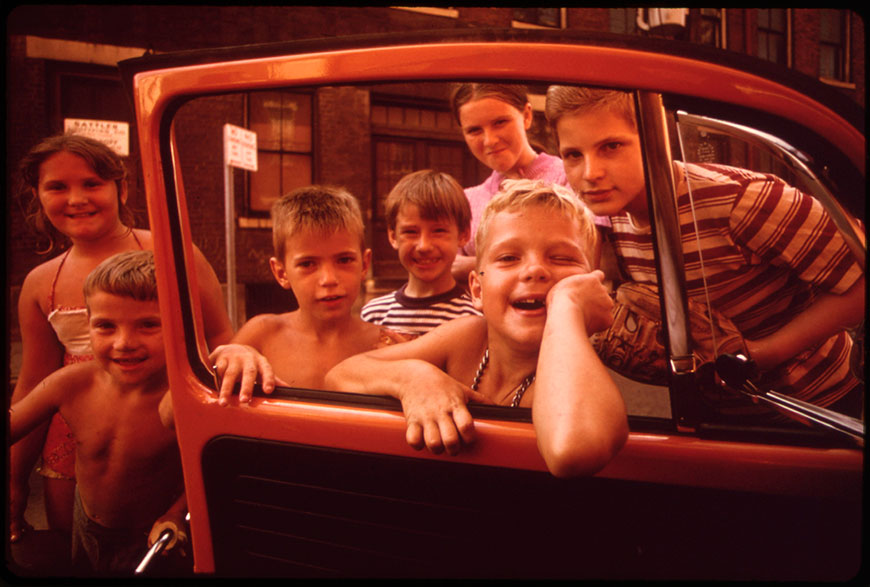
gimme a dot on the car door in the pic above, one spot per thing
(319, 483)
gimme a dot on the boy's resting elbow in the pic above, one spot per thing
(573, 458)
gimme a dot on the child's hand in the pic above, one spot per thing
(179, 534)
(234, 361)
(586, 293)
(435, 409)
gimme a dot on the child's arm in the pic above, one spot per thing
(42, 402)
(577, 410)
(218, 329)
(828, 315)
(434, 403)
(173, 519)
(41, 355)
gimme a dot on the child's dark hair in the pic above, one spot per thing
(129, 274)
(514, 95)
(107, 164)
(437, 195)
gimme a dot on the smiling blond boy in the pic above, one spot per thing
(531, 348)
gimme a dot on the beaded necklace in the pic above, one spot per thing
(520, 390)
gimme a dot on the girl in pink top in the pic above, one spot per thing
(494, 119)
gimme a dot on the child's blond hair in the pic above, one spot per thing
(437, 196)
(519, 194)
(129, 274)
(314, 208)
(566, 100)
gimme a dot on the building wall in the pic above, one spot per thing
(31, 109)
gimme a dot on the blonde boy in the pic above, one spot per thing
(429, 221)
(317, 233)
(530, 348)
(128, 470)
(806, 288)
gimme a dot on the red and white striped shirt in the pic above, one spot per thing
(767, 251)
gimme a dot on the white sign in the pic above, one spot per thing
(114, 133)
(240, 147)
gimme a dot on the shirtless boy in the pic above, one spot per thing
(128, 469)
(320, 255)
(531, 348)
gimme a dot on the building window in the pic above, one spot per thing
(282, 121)
(710, 27)
(623, 20)
(833, 45)
(538, 17)
(773, 34)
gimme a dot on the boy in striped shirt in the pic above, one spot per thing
(768, 256)
(429, 221)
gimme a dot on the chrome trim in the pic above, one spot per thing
(799, 162)
(653, 130)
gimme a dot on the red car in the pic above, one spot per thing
(319, 483)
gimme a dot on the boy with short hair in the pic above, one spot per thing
(320, 255)
(428, 223)
(787, 280)
(530, 347)
(128, 468)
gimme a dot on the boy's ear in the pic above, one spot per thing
(475, 288)
(391, 235)
(279, 272)
(366, 261)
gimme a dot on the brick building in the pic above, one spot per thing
(60, 64)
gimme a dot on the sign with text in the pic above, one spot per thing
(114, 133)
(240, 147)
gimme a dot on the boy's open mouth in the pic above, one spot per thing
(331, 298)
(529, 304)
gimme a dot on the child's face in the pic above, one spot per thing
(495, 132)
(77, 201)
(603, 162)
(426, 247)
(324, 270)
(527, 252)
(127, 337)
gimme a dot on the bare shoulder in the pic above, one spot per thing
(145, 238)
(70, 381)
(260, 329)
(37, 283)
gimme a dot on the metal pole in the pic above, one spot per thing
(230, 226)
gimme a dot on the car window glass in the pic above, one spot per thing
(762, 250)
(363, 138)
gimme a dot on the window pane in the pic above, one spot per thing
(296, 123)
(622, 20)
(831, 26)
(265, 119)
(265, 182)
(828, 62)
(295, 171)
